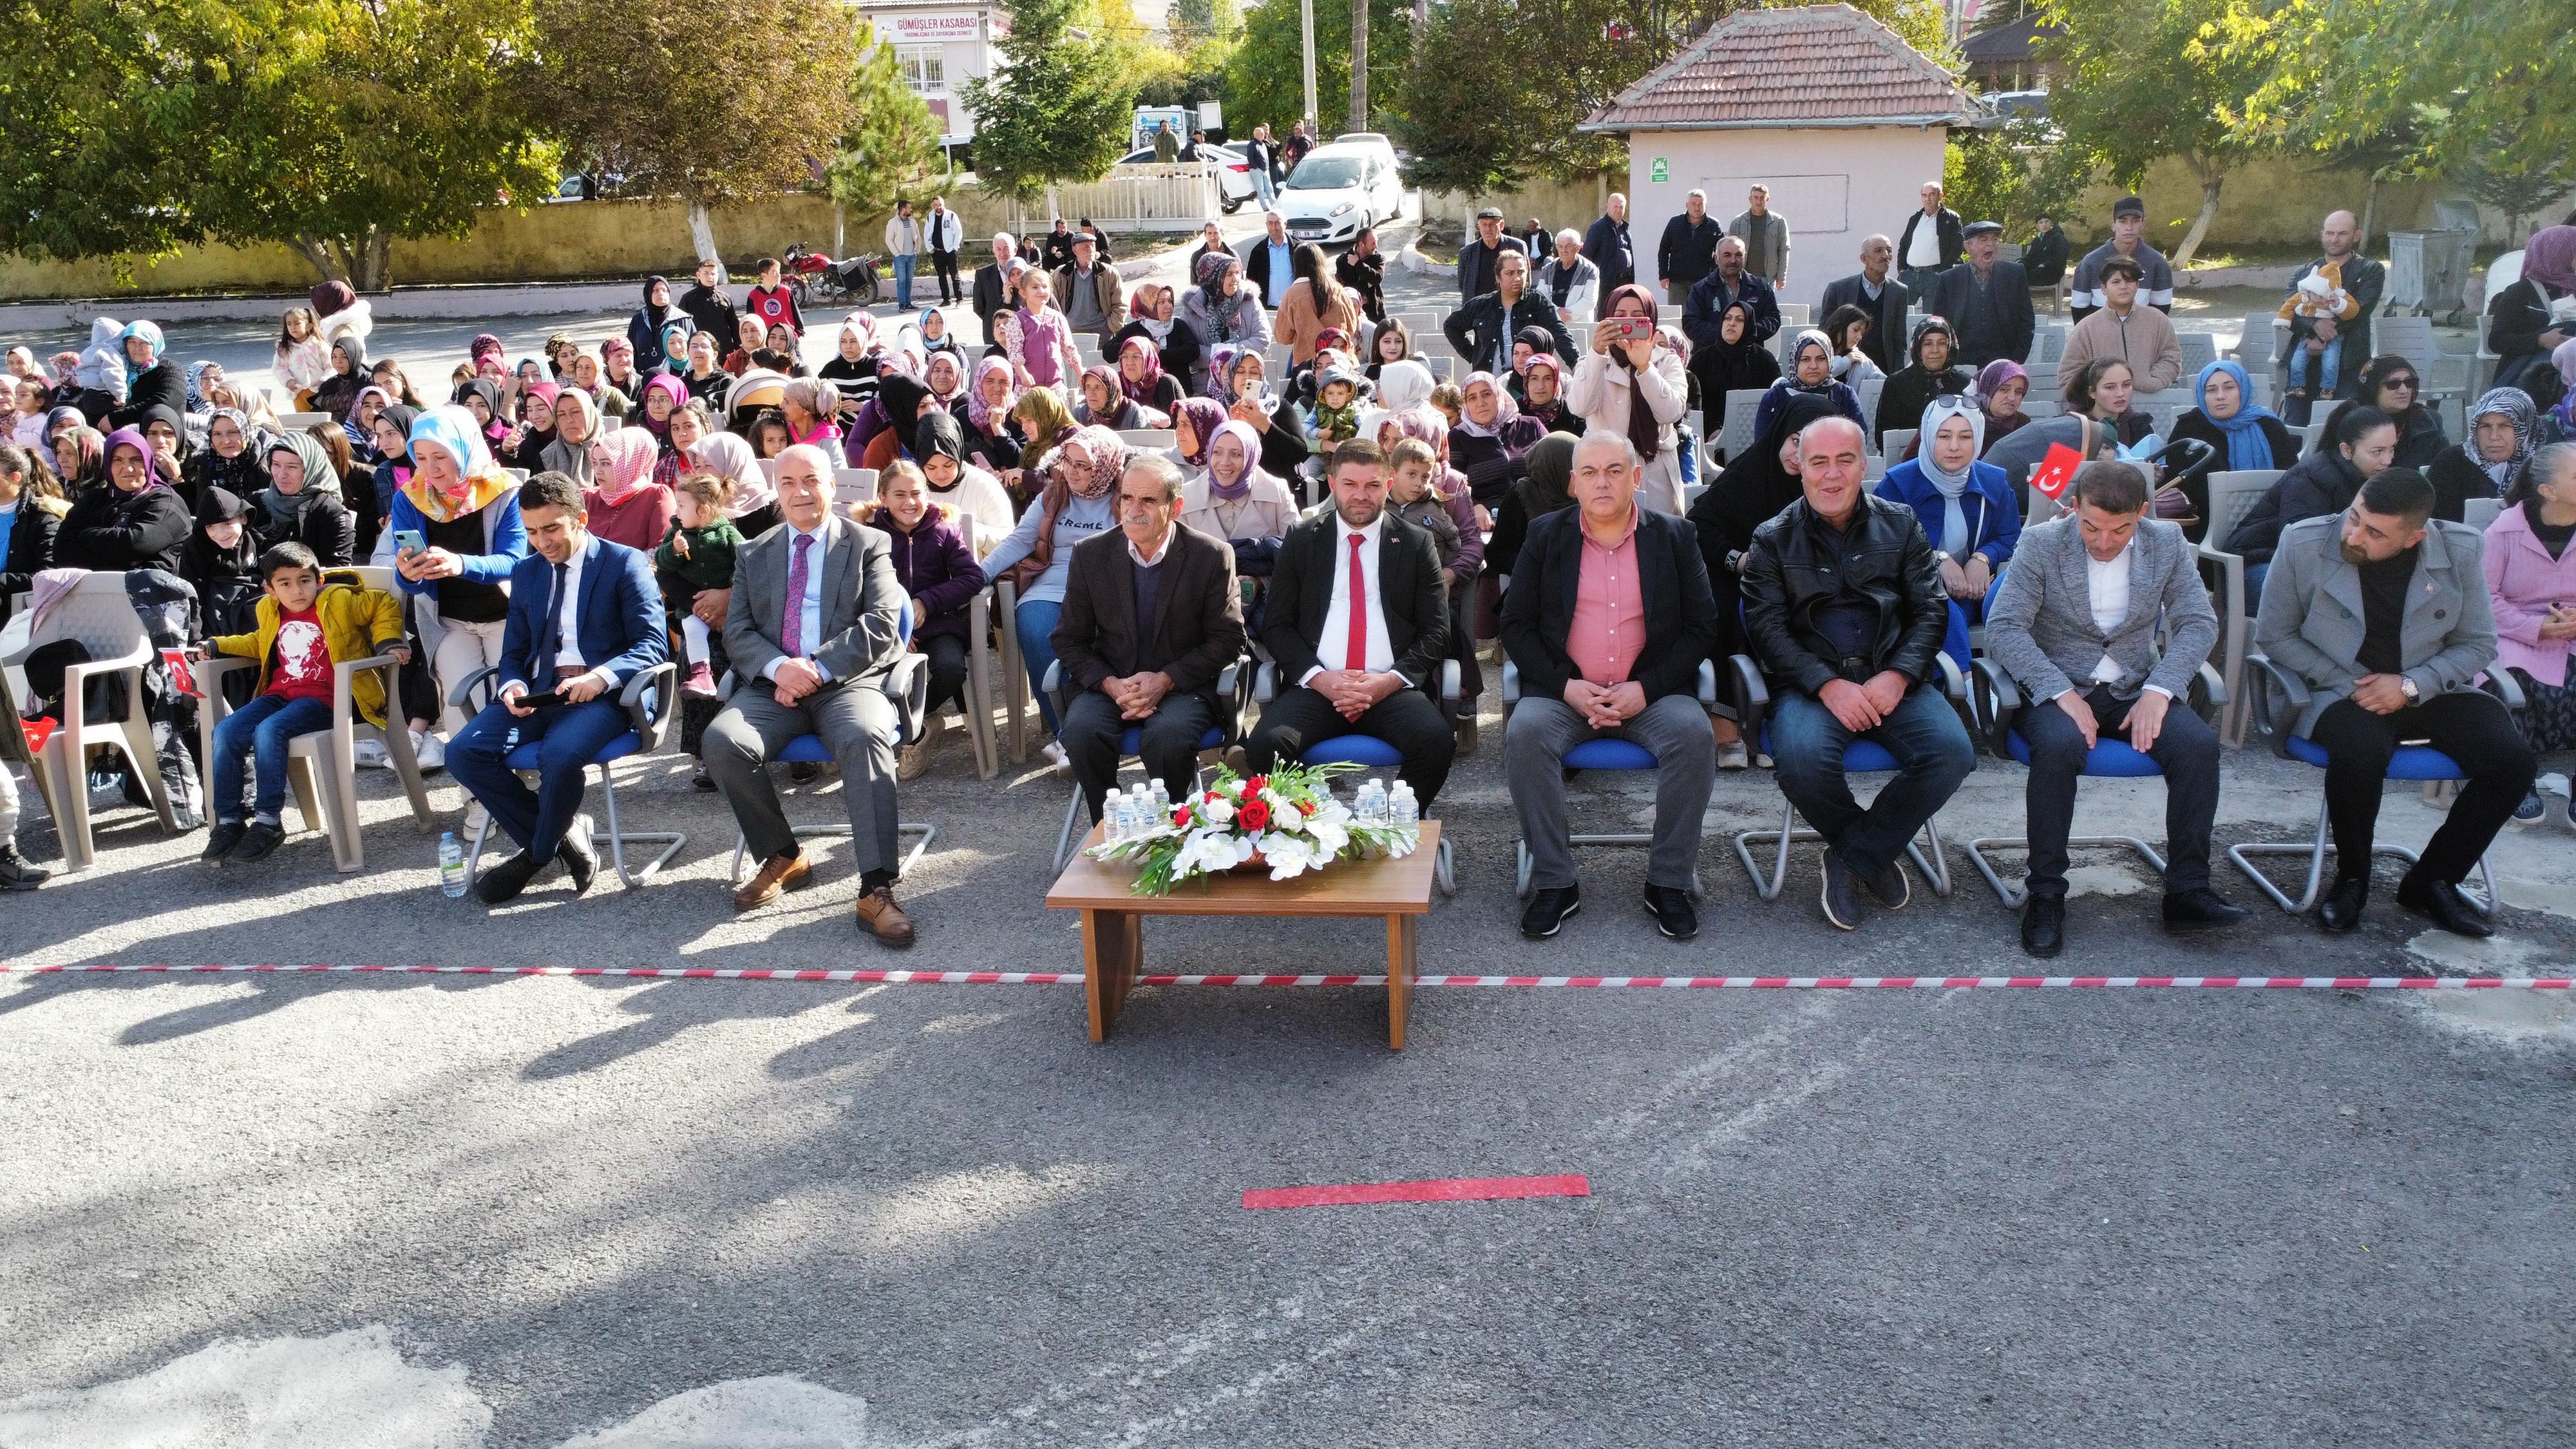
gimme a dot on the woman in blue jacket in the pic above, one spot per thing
(464, 509)
(1967, 508)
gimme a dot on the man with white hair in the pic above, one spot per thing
(1610, 247)
(1569, 280)
(1873, 290)
(993, 285)
(1608, 619)
(1845, 611)
(814, 631)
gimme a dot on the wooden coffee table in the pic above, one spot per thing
(1113, 938)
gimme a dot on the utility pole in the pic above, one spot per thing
(1359, 65)
(1306, 16)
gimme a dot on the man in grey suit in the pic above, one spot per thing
(2074, 622)
(2383, 612)
(812, 632)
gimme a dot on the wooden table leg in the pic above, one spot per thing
(1112, 948)
(1403, 936)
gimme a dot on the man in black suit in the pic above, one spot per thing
(993, 286)
(1358, 619)
(1884, 298)
(1151, 618)
(1609, 246)
(1987, 300)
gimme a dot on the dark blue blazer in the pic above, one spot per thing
(619, 620)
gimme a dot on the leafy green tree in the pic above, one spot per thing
(1266, 83)
(893, 147)
(2149, 80)
(710, 101)
(1056, 107)
(332, 126)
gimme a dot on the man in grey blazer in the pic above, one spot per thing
(812, 632)
(2382, 611)
(2074, 622)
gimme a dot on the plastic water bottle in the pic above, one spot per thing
(1162, 801)
(1120, 817)
(451, 866)
(1370, 808)
(1140, 808)
(1403, 811)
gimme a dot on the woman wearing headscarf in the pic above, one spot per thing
(2530, 570)
(1543, 394)
(360, 427)
(1237, 502)
(944, 373)
(1638, 389)
(80, 456)
(536, 431)
(961, 488)
(1998, 392)
(200, 373)
(644, 329)
(854, 357)
(1142, 378)
(480, 396)
(671, 358)
(1154, 315)
(1490, 438)
(168, 435)
(991, 442)
(1075, 504)
(393, 470)
(1404, 385)
(339, 392)
(2521, 328)
(1540, 490)
(750, 501)
(136, 522)
(1220, 312)
(1811, 373)
(302, 503)
(465, 509)
(2489, 460)
(1238, 377)
(2246, 435)
(620, 385)
(899, 403)
(1967, 508)
(230, 460)
(1751, 492)
(2558, 423)
(338, 310)
(1105, 403)
(151, 379)
(576, 423)
(1928, 373)
(623, 501)
(813, 411)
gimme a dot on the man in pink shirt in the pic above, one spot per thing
(1608, 619)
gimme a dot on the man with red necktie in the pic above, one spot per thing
(1358, 619)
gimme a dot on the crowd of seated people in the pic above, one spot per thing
(575, 522)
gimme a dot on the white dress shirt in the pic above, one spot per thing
(2107, 581)
(1161, 551)
(568, 616)
(1332, 649)
(809, 608)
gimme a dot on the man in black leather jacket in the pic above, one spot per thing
(1845, 610)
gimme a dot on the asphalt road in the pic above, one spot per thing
(453, 1211)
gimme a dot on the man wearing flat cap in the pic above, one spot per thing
(1987, 299)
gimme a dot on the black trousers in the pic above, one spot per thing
(2186, 749)
(947, 670)
(1406, 719)
(1167, 743)
(945, 264)
(2474, 729)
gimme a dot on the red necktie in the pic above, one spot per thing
(1359, 610)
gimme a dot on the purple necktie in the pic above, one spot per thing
(795, 630)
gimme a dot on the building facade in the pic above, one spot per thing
(939, 47)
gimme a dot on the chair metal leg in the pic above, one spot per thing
(669, 840)
(2014, 896)
(2484, 903)
(1067, 838)
(1934, 867)
(1444, 869)
(474, 849)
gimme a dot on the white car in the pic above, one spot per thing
(1340, 188)
(1233, 174)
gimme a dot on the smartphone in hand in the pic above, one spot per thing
(409, 540)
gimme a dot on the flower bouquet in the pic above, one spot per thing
(1287, 820)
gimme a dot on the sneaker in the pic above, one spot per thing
(370, 755)
(701, 681)
(17, 873)
(1057, 760)
(1548, 911)
(1840, 893)
(2530, 811)
(1732, 755)
(1672, 911)
(699, 779)
(257, 843)
(220, 843)
(911, 762)
(475, 817)
(429, 749)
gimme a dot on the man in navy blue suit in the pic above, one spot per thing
(585, 617)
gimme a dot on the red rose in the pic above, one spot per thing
(1181, 818)
(1254, 815)
(1256, 785)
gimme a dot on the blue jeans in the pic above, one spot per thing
(1933, 755)
(262, 729)
(1262, 188)
(1036, 623)
(2329, 362)
(572, 736)
(903, 282)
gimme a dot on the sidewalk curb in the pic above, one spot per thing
(1422, 266)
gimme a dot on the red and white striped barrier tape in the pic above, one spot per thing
(1075, 978)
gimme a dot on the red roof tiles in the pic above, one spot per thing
(1805, 66)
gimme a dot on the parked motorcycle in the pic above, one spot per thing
(815, 277)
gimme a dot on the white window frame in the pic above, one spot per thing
(924, 67)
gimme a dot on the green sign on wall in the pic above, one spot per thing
(1659, 172)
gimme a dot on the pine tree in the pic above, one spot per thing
(1056, 107)
(893, 144)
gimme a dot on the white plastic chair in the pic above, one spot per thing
(853, 490)
(297, 422)
(1151, 439)
(328, 797)
(1893, 443)
(1736, 434)
(2230, 495)
(96, 613)
(2480, 513)
(2199, 349)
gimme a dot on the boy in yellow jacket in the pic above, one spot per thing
(306, 626)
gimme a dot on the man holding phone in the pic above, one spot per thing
(585, 617)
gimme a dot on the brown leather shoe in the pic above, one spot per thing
(880, 917)
(778, 873)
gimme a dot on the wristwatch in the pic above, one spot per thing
(2406, 686)
(1940, 555)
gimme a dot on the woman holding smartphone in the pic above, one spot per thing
(457, 535)
(1632, 383)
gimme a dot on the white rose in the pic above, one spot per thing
(1217, 812)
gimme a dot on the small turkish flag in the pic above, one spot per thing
(37, 732)
(2056, 469)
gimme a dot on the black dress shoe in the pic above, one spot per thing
(2201, 906)
(220, 841)
(503, 882)
(2341, 909)
(2442, 902)
(2043, 926)
(580, 861)
(1548, 910)
(1672, 911)
(1841, 891)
